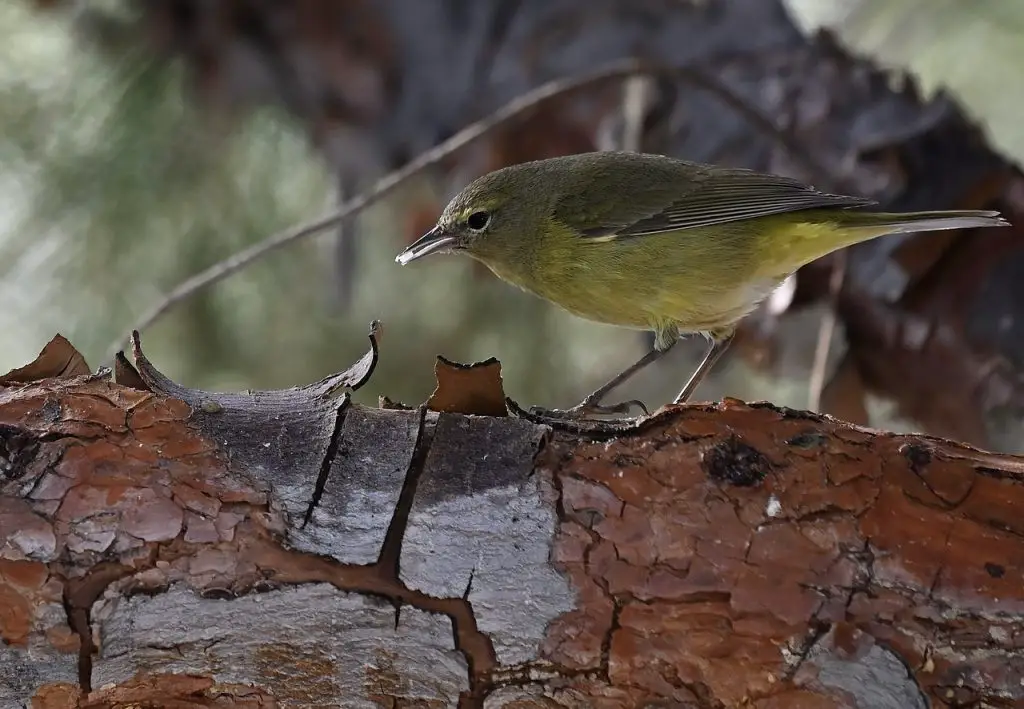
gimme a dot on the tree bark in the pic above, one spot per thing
(165, 547)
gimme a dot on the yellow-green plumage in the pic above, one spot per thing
(703, 279)
(647, 241)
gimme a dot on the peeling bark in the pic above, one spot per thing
(293, 549)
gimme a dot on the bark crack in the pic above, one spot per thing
(818, 630)
(79, 596)
(330, 455)
(391, 550)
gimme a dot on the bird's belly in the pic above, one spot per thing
(683, 299)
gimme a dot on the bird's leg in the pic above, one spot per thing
(719, 344)
(592, 404)
(593, 401)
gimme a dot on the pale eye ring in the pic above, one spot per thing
(478, 221)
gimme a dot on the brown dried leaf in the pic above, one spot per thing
(473, 389)
(58, 359)
(126, 375)
(920, 363)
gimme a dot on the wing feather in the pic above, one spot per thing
(678, 199)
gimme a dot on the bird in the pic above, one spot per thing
(652, 242)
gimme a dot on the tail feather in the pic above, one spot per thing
(894, 223)
(834, 229)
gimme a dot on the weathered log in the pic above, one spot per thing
(175, 548)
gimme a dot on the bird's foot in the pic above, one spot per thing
(589, 408)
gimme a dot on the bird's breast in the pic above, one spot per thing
(652, 282)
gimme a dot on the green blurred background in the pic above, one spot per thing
(117, 185)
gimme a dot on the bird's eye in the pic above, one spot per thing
(478, 220)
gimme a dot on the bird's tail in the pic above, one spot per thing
(870, 224)
(829, 230)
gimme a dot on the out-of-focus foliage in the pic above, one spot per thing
(123, 190)
(974, 50)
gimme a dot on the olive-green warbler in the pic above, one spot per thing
(652, 242)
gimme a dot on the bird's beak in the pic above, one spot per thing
(433, 240)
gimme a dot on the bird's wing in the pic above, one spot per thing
(642, 205)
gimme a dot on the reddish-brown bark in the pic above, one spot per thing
(855, 542)
(715, 556)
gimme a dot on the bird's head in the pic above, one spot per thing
(491, 219)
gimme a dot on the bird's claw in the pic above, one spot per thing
(586, 409)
